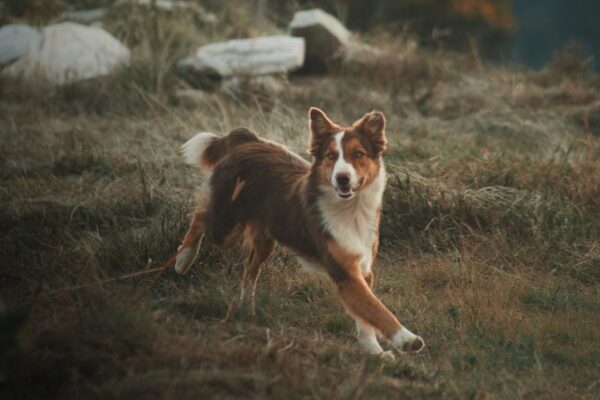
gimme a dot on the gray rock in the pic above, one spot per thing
(71, 52)
(17, 41)
(247, 57)
(324, 36)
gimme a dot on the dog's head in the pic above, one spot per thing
(347, 159)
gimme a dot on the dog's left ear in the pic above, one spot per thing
(321, 127)
(372, 125)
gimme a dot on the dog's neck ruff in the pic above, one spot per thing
(353, 223)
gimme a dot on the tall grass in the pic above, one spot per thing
(489, 233)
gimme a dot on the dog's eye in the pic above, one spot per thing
(331, 156)
(358, 154)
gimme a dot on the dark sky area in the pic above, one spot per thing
(545, 26)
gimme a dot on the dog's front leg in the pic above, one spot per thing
(366, 335)
(365, 307)
(362, 304)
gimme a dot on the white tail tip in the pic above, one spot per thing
(193, 149)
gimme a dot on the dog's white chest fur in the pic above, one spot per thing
(354, 223)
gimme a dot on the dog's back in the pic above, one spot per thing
(253, 180)
(205, 150)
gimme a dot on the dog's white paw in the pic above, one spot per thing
(387, 356)
(414, 346)
(406, 341)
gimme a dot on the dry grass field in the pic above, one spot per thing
(490, 233)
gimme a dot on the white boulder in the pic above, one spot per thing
(18, 40)
(248, 57)
(324, 36)
(71, 52)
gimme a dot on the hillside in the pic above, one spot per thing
(490, 230)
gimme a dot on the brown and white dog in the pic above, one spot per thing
(327, 212)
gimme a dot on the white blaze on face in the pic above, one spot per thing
(341, 166)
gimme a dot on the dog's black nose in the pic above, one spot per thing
(342, 179)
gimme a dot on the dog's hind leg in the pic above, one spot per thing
(188, 251)
(261, 246)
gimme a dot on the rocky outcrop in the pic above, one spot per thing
(242, 58)
(260, 56)
(70, 53)
(18, 40)
(324, 36)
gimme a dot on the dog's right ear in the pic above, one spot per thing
(321, 128)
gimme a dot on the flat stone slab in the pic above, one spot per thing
(250, 57)
(17, 40)
(71, 52)
(324, 34)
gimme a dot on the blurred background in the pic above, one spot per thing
(490, 232)
(519, 31)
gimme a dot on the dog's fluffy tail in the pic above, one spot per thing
(205, 150)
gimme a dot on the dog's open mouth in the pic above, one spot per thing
(346, 192)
